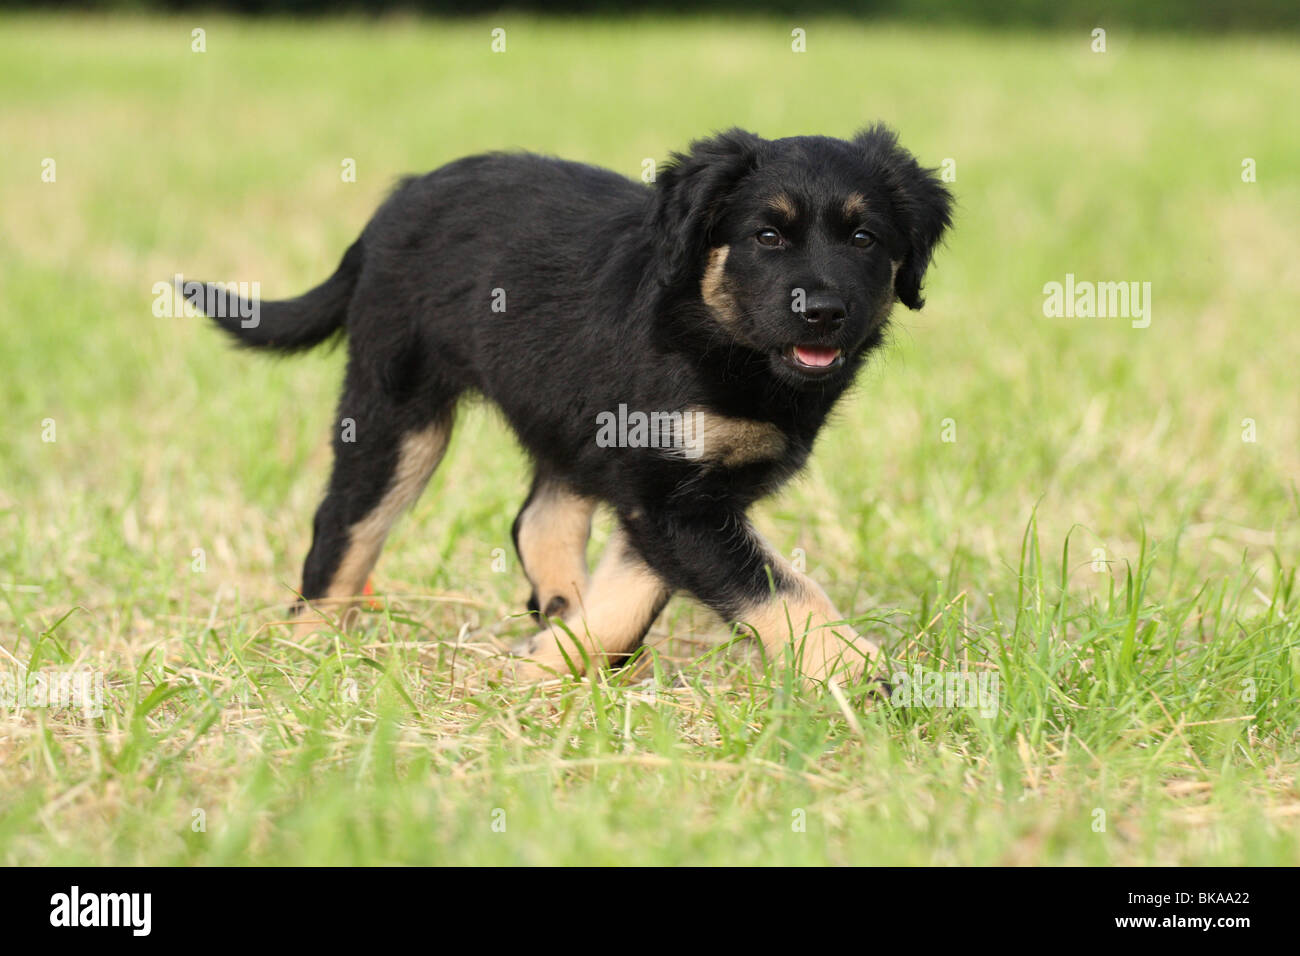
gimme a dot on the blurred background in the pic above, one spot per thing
(1156, 14)
(254, 149)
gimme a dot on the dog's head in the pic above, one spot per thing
(799, 247)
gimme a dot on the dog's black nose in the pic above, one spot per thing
(825, 311)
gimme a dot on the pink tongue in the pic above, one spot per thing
(816, 357)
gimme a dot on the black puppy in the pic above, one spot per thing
(670, 351)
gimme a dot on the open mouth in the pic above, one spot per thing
(812, 360)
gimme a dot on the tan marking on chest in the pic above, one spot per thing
(729, 442)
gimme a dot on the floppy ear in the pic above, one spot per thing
(690, 194)
(922, 201)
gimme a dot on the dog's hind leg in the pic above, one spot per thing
(382, 461)
(551, 533)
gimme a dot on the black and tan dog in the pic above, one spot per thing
(729, 306)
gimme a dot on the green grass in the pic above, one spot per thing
(1099, 535)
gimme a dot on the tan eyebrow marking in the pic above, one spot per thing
(855, 205)
(784, 206)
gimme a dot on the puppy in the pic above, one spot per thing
(671, 352)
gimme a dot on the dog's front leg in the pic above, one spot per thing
(614, 613)
(723, 561)
(551, 535)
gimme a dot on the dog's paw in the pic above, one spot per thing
(527, 670)
(539, 658)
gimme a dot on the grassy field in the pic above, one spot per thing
(1104, 517)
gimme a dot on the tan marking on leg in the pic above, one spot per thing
(784, 206)
(421, 452)
(620, 604)
(713, 291)
(855, 205)
(552, 544)
(801, 612)
(728, 442)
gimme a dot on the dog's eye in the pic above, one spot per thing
(768, 237)
(863, 239)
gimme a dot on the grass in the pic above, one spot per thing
(1099, 535)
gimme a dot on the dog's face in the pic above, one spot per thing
(800, 246)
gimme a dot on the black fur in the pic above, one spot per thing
(602, 279)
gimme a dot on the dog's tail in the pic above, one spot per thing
(287, 325)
